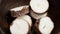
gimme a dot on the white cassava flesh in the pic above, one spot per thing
(46, 25)
(19, 27)
(39, 6)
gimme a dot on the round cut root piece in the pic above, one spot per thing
(46, 25)
(39, 6)
(19, 26)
